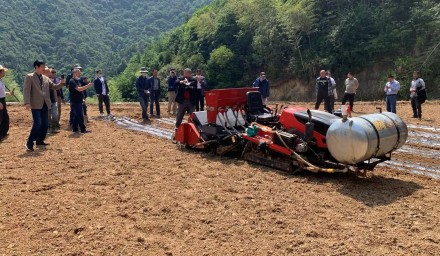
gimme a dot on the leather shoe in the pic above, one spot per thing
(29, 148)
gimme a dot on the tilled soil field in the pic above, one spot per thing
(125, 189)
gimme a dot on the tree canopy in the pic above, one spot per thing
(232, 40)
(96, 34)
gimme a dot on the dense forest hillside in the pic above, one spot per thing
(232, 40)
(99, 33)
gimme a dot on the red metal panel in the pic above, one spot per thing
(187, 134)
(222, 98)
(192, 135)
(181, 132)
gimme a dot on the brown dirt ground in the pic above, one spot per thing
(120, 192)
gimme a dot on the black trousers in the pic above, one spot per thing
(327, 101)
(184, 107)
(106, 100)
(4, 119)
(417, 107)
(350, 98)
(154, 101)
(84, 105)
(200, 106)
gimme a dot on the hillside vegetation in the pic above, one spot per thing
(99, 33)
(232, 40)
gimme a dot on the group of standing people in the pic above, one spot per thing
(43, 95)
(326, 91)
(149, 92)
(417, 93)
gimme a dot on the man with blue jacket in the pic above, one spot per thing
(143, 92)
(263, 87)
(155, 91)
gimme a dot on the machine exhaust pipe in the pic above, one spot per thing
(310, 127)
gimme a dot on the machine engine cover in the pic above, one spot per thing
(288, 138)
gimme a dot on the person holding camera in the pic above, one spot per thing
(186, 95)
(77, 90)
(171, 82)
(202, 86)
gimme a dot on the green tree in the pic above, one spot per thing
(222, 67)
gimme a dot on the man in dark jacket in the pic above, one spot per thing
(143, 92)
(4, 116)
(418, 95)
(324, 91)
(186, 95)
(263, 87)
(76, 90)
(155, 91)
(202, 86)
(101, 89)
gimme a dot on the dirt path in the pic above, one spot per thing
(121, 192)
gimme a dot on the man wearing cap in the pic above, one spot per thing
(155, 92)
(263, 87)
(4, 116)
(36, 94)
(171, 81)
(76, 101)
(101, 88)
(186, 95)
(143, 92)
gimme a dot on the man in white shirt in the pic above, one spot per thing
(202, 86)
(102, 90)
(418, 95)
(4, 117)
(335, 93)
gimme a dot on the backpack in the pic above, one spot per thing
(421, 95)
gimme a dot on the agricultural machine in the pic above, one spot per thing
(291, 138)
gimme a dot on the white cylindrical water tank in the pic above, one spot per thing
(361, 138)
